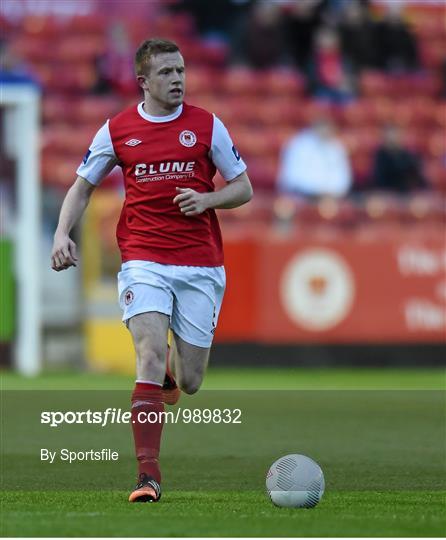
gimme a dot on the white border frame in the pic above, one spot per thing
(25, 100)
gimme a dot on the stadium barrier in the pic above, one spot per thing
(377, 285)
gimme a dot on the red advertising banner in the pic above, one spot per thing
(335, 288)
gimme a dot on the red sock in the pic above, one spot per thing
(147, 399)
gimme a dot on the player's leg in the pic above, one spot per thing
(171, 392)
(198, 295)
(190, 364)
(149, 333)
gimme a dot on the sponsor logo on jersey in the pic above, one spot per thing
(188, 138)
(133, 142)
(236, 153)
(165, 170)
(87, 155)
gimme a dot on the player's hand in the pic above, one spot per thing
(64, 253)
(191, 202)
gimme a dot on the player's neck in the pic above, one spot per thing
(154, 108)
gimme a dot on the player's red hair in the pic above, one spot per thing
(149, 48)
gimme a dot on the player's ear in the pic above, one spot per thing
(143, 82)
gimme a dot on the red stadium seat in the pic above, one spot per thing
(251, 143)
(59, 170)
(200, 80)
(432, 52)
(279, 136)
(262, 172)
(96, 109)
(283, 82)
(384, 207)
(356, 113)
(41, 25)
(78, 48)
(426, 208)
(54, 107)
(373, 84)
(240, 81)
(439, 114)
(435, 171)
(65, 140)
(93, 24)
(437, 145)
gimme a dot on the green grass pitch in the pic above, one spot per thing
(378, 435)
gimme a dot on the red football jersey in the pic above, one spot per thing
(157, 155)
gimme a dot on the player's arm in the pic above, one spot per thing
(97, 163)
(227, 160)
(76, 201)
(235, 193)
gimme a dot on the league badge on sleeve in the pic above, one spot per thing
(87, 155)
(236, 153)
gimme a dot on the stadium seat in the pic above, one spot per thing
(251, 143)
(435, 172)
(283, 82)
(239, 81)
(78, 48)
(96, 109)
(384, 207)
(201, 80)
(437, 144)
(55, 107)
(67, 141)
(262, 172)
(356, 113)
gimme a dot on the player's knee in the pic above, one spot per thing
(190, 386)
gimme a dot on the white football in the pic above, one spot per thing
(295, 481)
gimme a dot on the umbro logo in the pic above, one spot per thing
(133, 142)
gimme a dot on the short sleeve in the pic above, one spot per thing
(100, 158)
(224, 154)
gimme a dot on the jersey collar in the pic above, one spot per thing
(159, 119)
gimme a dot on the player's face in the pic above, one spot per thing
(166, 79)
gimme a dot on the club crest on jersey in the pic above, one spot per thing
(188, 138)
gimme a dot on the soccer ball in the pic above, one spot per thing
(295, 481)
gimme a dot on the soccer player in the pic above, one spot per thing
(172, 273)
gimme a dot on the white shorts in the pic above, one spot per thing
(190, 295)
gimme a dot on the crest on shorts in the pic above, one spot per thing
(128, 298)
(188, 138)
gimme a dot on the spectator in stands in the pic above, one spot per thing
(329, 76)
(214, 20)
(314, 163)
(395, 168)
(396, 45)
(358, 36)
(115, 66)
(302, 18)
(259, 42)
